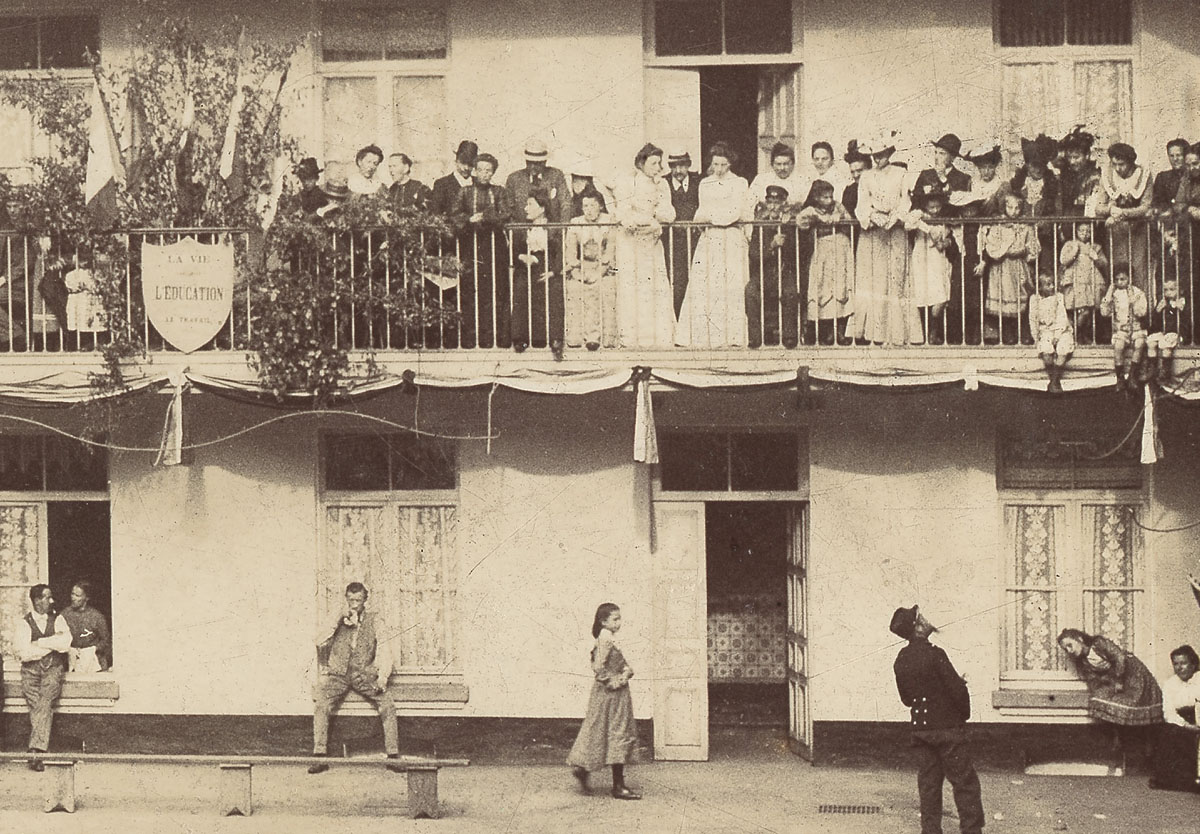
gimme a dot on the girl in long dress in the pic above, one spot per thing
(608, 735)
(1008, 252)
(714, 309)
(831, 271)
(645, 306)
(1121, 690)
(883, 303)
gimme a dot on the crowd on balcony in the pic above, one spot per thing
(868, 253)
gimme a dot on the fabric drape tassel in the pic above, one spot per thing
(170, 450)
(1151, 446)
(645, 435)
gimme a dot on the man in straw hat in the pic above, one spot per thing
(538, 175)
(940, 704)
(685, 197)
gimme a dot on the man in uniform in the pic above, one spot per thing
(940, 705)
(43, 640)
(353, 654)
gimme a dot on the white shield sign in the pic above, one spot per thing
(187, 287)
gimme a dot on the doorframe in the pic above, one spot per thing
(795, 502)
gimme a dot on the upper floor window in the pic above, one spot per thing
(717, 462)
(403, 31)
(722, 27)
(1063, 22)
(387, 463)
(50, 463)
(50, 42)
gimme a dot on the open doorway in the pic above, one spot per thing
(78, 547)
(729, 114)
(746, 552)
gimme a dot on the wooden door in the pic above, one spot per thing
(778, 111)
(800, 725)
(680, 630)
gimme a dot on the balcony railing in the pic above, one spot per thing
(684, 286)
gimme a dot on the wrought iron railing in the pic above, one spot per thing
(602, 287)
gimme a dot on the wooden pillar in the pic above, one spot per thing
(60, 790)
(423, 793)
(236, 797)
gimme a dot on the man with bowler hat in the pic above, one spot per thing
(685, 196)
(940, 704)
(943, 177)
(310, 196)
(447, 189)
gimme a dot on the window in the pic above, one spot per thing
(1065, 62)
(1073, 561)
(715, 462)
(384, 82)
(390, 521)
(378, 32)
(54, 528)
(722, 27)
(1064, 22)
(61, 42)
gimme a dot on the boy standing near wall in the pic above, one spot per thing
(940, 705)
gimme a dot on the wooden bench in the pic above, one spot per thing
(236, 795)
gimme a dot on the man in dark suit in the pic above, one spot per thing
(943, 177)
(685, 196)
(940, 705)
(447, 188)
(537, 175)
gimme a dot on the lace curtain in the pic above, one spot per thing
(1104, 99)
(407, 558)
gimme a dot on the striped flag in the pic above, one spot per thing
(103, 165)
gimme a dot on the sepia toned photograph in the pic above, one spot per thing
(656, 416)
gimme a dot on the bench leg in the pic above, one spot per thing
(423, 794)
(61, 787)
(236, 795)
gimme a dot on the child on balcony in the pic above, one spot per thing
(1008, 250)
(934, 251)
(1083, 281)
(591, 285)
(831, 271)
(1050, 327)
(772, 295)
(1127, 307)
(1168, 327)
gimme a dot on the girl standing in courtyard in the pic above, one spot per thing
(607, 736)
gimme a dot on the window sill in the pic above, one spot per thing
(419, 693)
(1040, 699)
(87, 692)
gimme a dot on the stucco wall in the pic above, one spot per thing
(214, 564)
(905, 511)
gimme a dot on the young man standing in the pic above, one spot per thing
(43, 640)
(940, 705)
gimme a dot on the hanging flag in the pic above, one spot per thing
(231, 150)
(645, 435)
(170, 449)
(103, 165)
(1151, 446)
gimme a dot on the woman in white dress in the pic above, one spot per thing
(883, 299)
(714, 310)
(645, 307)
